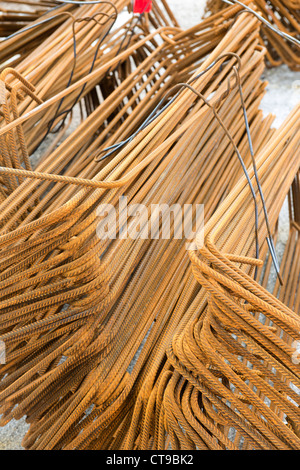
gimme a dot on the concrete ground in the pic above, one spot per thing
(283, 92)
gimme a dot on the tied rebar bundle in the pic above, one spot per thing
(283, 16)
(18, 14)
(86, 38)
(236, 365)
(137, 342)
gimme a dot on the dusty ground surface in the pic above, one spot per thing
(283, 92)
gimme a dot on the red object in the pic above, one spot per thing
(142, 6)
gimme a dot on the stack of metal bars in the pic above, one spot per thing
(90, 324)
(236, 368)
(284, 15)
(17, 14)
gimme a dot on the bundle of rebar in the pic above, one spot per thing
(76, 48)
(236, 378)
(97, 328)
(284, 16)
(18, 14)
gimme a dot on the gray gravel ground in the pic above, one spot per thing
(283, 92)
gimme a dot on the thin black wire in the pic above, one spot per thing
(131, 30)
(284, 35)
(154, 114)
(187, 85)
(269, 238)
(51, 9)
(67, 111)
(32, 26)
(46, 20)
